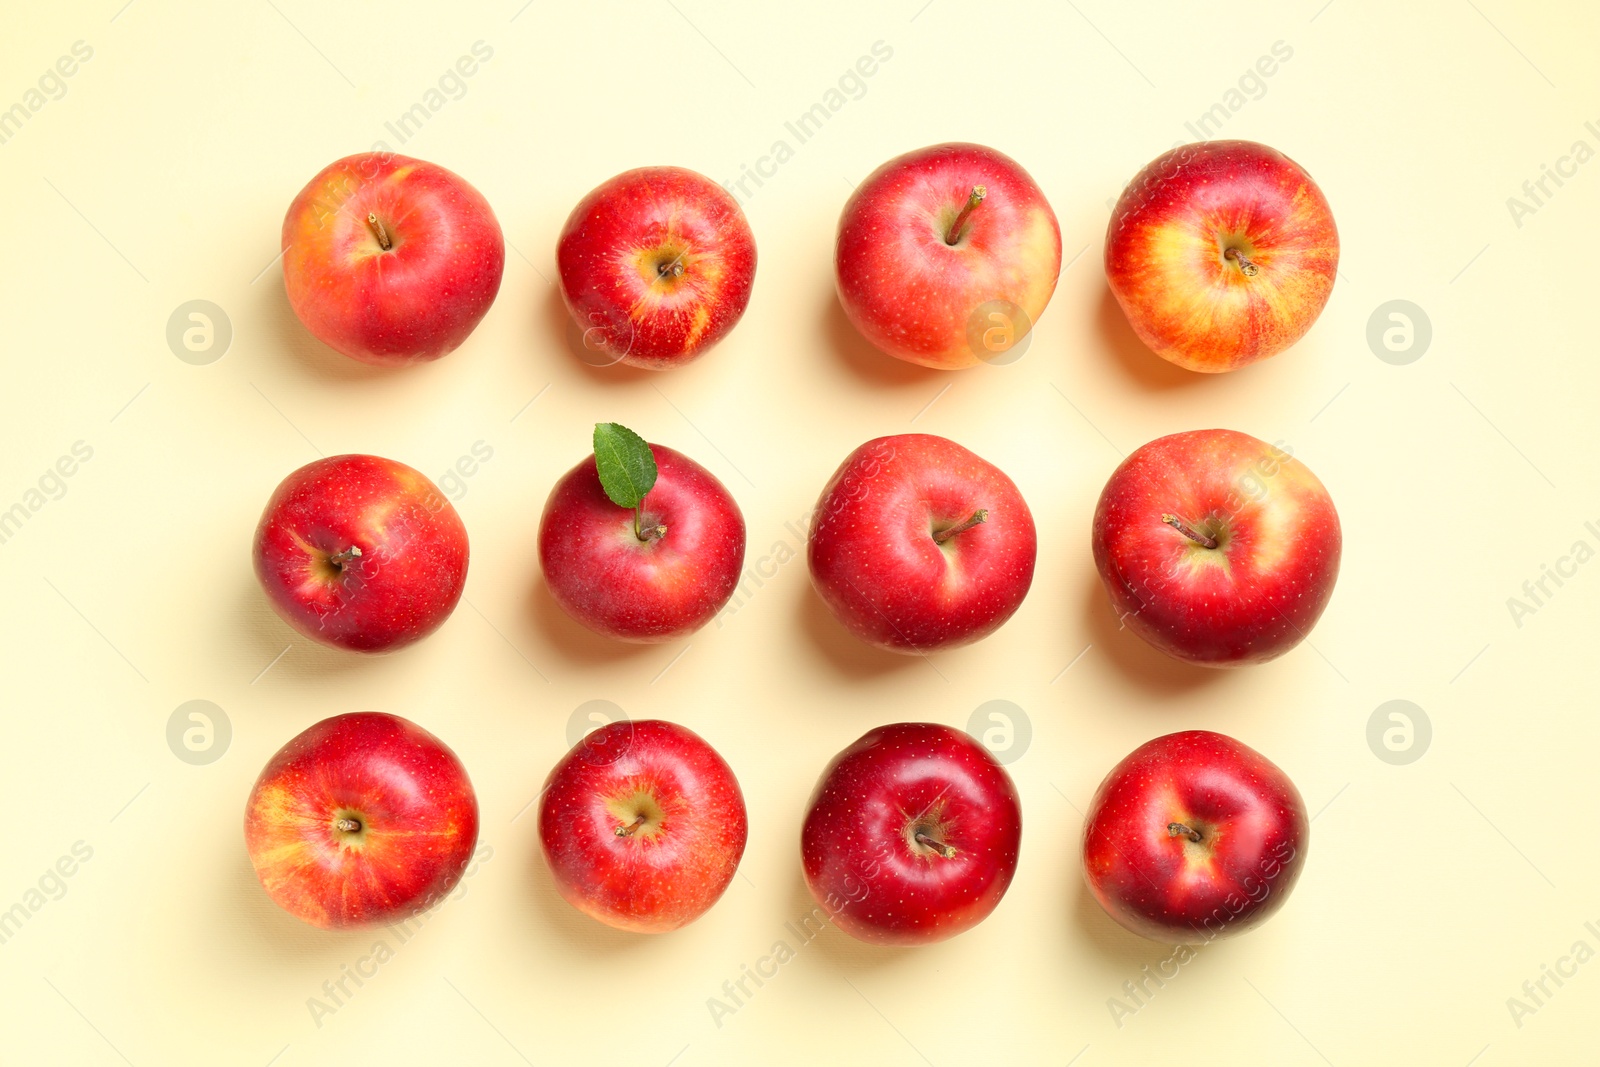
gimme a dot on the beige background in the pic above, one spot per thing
(1433, 890)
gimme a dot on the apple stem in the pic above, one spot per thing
(1187, 531)
(347, 826)
(978, 193)
(1247, 268)
(379, 232)
(627, 831)
(654, 533)
(1177, 829)
(979, 516)
(339, 559)
(927, 840)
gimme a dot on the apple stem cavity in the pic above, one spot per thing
(379, 232)
(1177, 829)
(954, 234)
(927, 840)
(1189, 532)
(977, 517)
(627, 831)
(347, 826)
(339, 559)
(647, 535)
(1247, 268)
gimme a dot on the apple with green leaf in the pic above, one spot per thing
(639, 542)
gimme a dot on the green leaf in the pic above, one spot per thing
(627, 469)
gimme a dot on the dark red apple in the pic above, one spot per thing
(911, 835)
(656, 266)
(1216, 547)
(361, 553)
(643, 825)
(391, 260)
(362, 820)
(654, 568)
(946, 256)
(1221, 253)
(1193, 837)
(918, 544)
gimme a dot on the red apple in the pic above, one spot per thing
(911, 835)
(643, 825)
(1192, 837)
(362, 553)
(1217, 548)
(391, 260)
(654, 571)
(1221, 253)
(656, 266)
(946, 256)
(362, 820)
(918, 544)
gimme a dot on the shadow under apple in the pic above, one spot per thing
(862, 358)
(1134, 358)
(838, 950)
(575, 641)
(307, 352)
(1148, 667)
(844, 651)
(566, 336)
(285, 650)
(551, 914)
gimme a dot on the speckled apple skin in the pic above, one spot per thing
(1165, 887)
(1261, 591)
(614, 244)
(417, 809)
(875, 562)
(644, 591)
(413, 558)
(412, 302)
(913, 294)
(1165, 254)
(672, 871)
(858, 847)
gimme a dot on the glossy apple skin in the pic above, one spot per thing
(1165, 254)
(1160, 884)
(874, 559)
(1255, 596)
(622, 236)
(411, 303)
(417, 812)
(858, 846)
(412, 565)
(674, 865)
(643, 591)
(911, 293)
